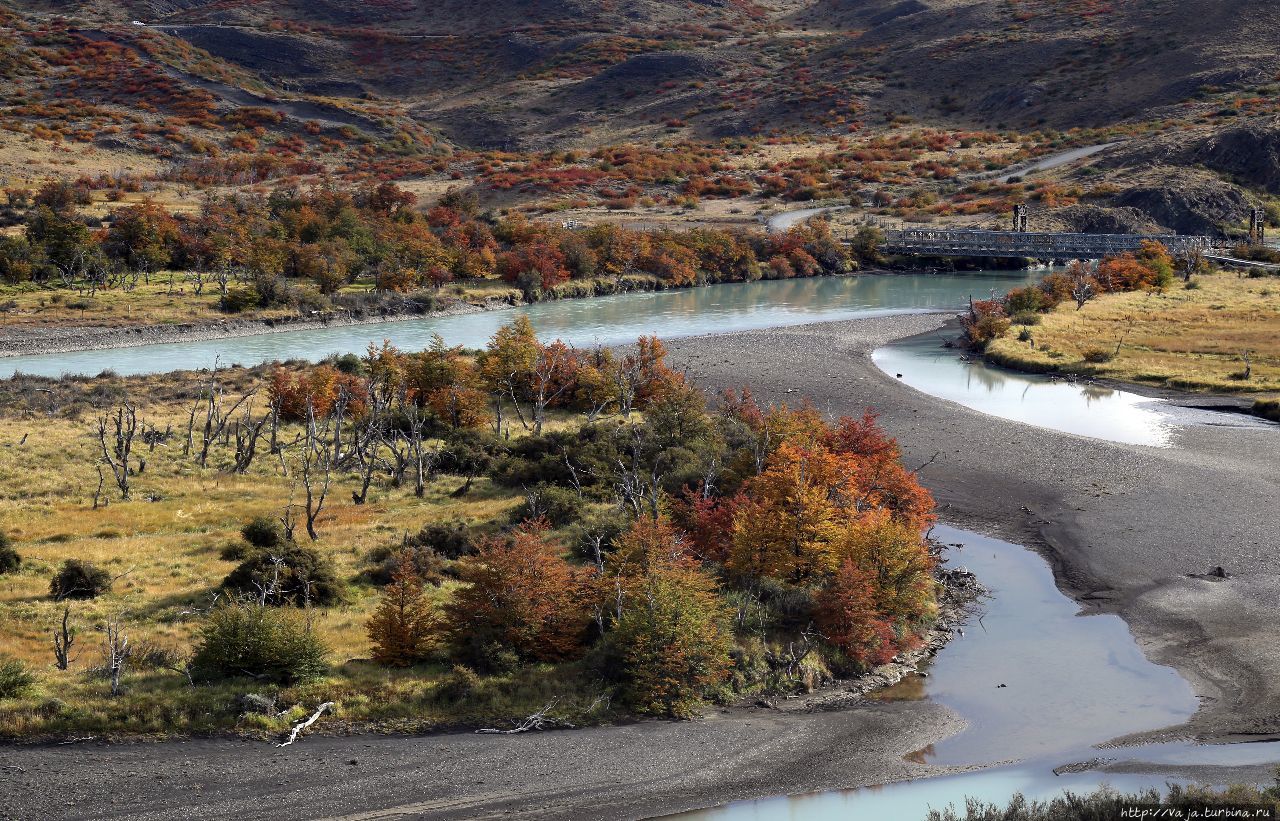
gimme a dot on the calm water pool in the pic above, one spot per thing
(1071, 680)
(1074, 407)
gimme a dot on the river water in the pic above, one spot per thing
(604, 320)
(1040, 684)
(1079, 407)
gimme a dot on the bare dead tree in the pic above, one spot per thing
(1245, 357)
(63, 639)
(247, 433)
(116, 652)
(368, 440)
(289, 516)
(542, 719)
(551, 378)
(118, 454)
(216, 420)
(98, 499)
(639, 470)
(315, 469)
(627, 375)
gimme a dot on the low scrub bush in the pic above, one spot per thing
(15, 679)
(291, 574)
(1267, 408)
(263, 532)
(10, 561)
(1097, 355)
(79, 580)
(263, 643)
(449, 540)
(559, 506)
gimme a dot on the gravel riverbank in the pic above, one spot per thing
(1130, 529)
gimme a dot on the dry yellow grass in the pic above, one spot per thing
(1187, 338)
(164, 546)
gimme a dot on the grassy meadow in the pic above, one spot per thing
(163, 548)
(1190, 337)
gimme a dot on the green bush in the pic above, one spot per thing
(15, 678)
(294, 574)
(262, 643)
(10, 561)
(263, 532)
(79, 580)
(431, 569)
(236, 552)
(449, 540)
(559, 506)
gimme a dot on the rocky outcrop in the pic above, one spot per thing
(1249, 154)
(1187, 203)
(1093, 219)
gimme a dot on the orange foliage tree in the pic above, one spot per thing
(404, 628)
(522, 596)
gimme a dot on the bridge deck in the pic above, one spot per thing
(1035, 245)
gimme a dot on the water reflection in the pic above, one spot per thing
(1035, 678)
(1071, 682)
(1080, 408)
(606, 320)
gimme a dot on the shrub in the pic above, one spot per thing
(557, 505)
(235, 552)
(427, 564)
(258, 642)
(238, 300)
(1098, 355)
(523, 598)
(450, 540)
(15, 678)
(1028, 300)
(79, 580)
(672, 642)
(1027, 318)
(1267, 408)
(293, 574)
(10, 561)
(263, 532)
(404, 628)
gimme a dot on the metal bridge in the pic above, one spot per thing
(936, 242)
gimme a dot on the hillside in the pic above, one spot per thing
(195, 93)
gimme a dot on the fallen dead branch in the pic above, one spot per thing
(540, 720)
(302, 725)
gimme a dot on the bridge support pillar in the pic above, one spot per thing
(1258, 227)
(1019, 218)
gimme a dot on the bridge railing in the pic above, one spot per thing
(948, 242)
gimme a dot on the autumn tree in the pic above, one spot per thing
(520, 596)
(404, 628)
(671, 639)
(882, 591)
(142, 236)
